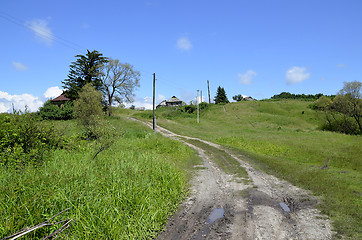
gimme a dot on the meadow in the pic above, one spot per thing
(284, 139)
(126, 192)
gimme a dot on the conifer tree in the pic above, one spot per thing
(221, 96)
(86, 69)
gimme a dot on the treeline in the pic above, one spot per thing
(287, 95)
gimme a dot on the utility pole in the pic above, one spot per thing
(208, 89)
(201, 97)
(154, 102)
(197, 101)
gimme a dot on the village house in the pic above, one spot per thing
(60, 100)
(172, 102)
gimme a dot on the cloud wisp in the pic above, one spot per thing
(184, 44)
(53, 92)
(246, 78)
(41, 30)
(341, 65)
(20, 67)
(296, 75)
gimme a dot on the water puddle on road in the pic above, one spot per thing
(285, 207)
(215, 215)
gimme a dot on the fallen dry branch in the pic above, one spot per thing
(67, 224)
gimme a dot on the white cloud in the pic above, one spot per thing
(41, 30)
(19, 101)
(296, 75)
(246, 78)
(53, 92)
(184, 44)
(19, 66)
(341, 65)
(146, 102)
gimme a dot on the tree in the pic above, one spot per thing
(119, 82)
(349, 101)
(86, 69)
(344, 113)
(221, 96)
(88, 109)
(238, 97)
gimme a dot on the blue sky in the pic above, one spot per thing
(255, 48)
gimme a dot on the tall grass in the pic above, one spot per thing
(126, 192)
(283, 138)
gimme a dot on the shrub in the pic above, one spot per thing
(88, 110)
(24, 140)
(50, 111)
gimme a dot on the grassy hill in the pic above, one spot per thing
(282, 137)
(126, 192)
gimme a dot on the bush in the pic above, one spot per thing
(342, 125)
(190, 108)
(24, 140)
(53, 112)
(88, 110)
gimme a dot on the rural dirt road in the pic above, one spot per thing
(221, 206)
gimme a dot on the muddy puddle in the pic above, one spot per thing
(216, 214)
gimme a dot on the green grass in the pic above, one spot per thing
(224, 161)
(126, 192)
(283, 138)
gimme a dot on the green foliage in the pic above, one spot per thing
(86, 69)
(287, 95)
(88, 110)
(284, 139)
(221, 96)
(24, 140)
(119, 82)
(238, 98)
(344, 113)
(127, 192)
(51, 111)
(189, 108)
(203, 105)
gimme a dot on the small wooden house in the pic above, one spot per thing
(172, 102)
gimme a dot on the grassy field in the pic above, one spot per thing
(282, 137)
(126, 192)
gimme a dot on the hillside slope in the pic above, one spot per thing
(282, 138)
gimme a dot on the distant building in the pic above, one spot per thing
(172, 102)
(60, 100)
(248, 99)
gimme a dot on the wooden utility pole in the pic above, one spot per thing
(208, 89)
(154, 102)
(198, 111)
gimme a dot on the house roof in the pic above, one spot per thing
(61, 97)
(174, 99)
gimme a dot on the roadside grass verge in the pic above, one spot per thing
(283, 138)
(126, 192)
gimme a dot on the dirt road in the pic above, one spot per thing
(222, 206)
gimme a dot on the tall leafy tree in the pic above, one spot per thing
(86, 69)
(119, 82)
(221, 96)
(349, 102)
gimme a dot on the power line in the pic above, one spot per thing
(49, 36)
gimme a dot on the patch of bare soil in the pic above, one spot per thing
(222, 207)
